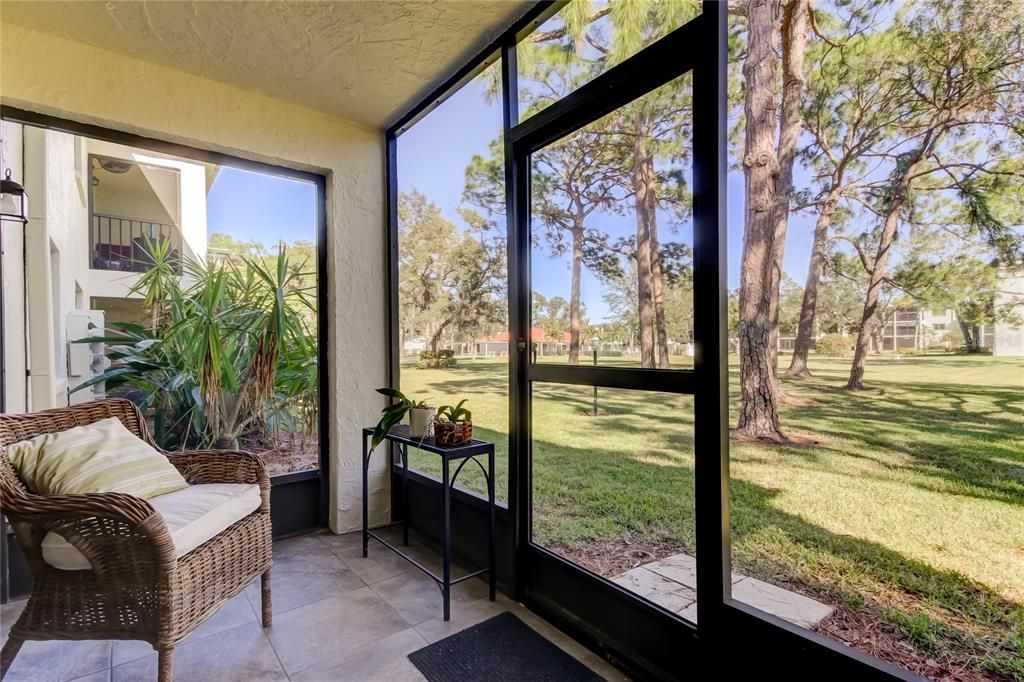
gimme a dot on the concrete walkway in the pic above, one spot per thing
(672, 584)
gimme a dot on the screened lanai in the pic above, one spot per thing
(511, 340)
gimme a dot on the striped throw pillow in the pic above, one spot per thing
(100, 457)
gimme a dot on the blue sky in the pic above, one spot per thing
(433, 154)
(261, 207)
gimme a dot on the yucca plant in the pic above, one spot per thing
(223, 355)
(157, 369)
(160, 282)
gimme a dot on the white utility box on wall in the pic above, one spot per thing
(85, 360)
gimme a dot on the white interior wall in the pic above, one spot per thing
(56, 76)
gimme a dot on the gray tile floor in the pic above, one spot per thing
(337, 616)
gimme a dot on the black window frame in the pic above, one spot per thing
(724, 626)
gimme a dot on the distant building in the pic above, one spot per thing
(914, 329)
(920, 329)
(1008, 336)
(93, 208)
(543, 344)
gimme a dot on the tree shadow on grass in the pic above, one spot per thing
(471, 385)
(587, 489)
(978, 460)
(978, 451)
(967, 621)
(654, 501)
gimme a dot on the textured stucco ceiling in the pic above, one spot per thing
(363, 60)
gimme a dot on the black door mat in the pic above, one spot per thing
(501, 648)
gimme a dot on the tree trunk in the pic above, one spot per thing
(575, 318)
(868, 320)
(879, 342)
(645, 187)
(759, 414)
(794, 40)
(645, 297)
(879, 269)
(970, 335)
(435, 338)
(809, 305)
(657, 278)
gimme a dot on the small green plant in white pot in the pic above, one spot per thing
(421, 420)
(421, 416)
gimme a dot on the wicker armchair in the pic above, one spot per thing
(137, 588)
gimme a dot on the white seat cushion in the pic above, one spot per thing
(193, 516)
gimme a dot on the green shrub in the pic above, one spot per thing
(835, 345)
(440, 359)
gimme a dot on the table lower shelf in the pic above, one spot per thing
(430, 574)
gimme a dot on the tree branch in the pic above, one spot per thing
(559, 33)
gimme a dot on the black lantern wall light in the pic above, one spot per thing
(13, 200)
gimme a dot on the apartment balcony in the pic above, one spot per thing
(120, 243)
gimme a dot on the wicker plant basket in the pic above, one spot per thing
(452, 433)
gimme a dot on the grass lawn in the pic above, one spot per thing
(908, 515)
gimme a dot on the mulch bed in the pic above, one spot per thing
(611, 557)
(864, 633)
(285, 454)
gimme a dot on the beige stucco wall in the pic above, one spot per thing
(69, 79)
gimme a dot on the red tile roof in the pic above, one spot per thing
(536, 334)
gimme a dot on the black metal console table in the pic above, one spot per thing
(399, 435)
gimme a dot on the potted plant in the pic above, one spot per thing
(453, 425)
(420, 416)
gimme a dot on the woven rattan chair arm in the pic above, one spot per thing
(120, 506)
(223, 466)
(118, 533)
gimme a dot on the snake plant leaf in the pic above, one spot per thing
(390, 418)
(393, 393)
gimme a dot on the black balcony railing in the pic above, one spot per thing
(119, 243)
